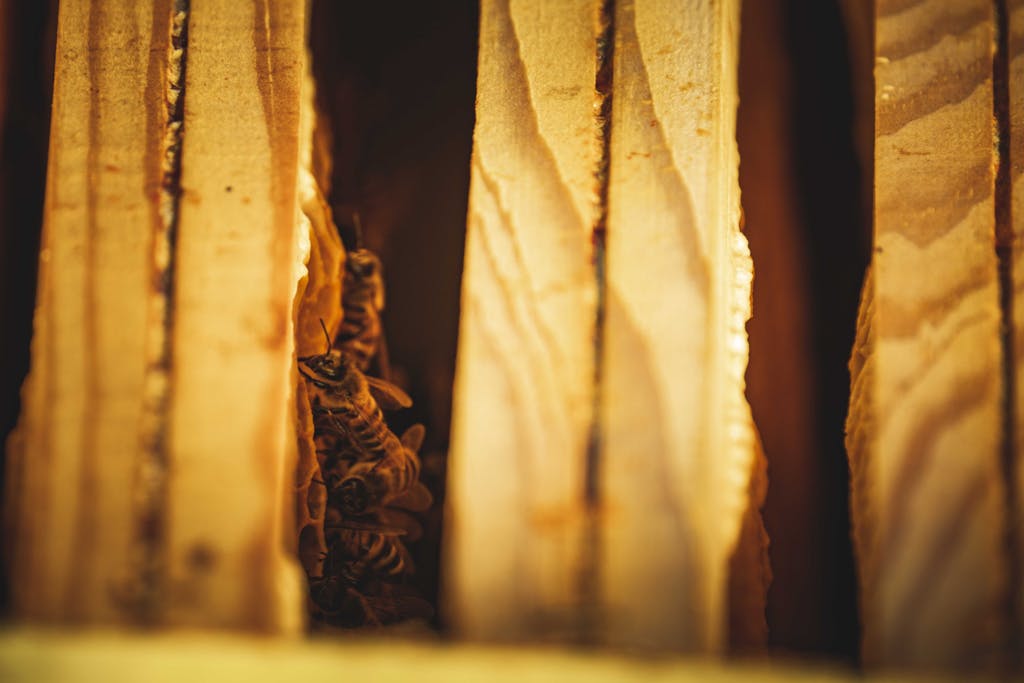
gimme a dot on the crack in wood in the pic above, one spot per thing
(1004, 238)
(146, 583)
(589, 578)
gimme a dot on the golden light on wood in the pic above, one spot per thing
(151, 471)
(602, 445)
(180, 463)
(927, 428)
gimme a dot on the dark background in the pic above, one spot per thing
(396, 88)
(27, 31)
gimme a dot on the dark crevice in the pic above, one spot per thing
(27, 38)
(806, 223)
(829, 185)
(395, 113)
(589, 578)
(1004, 239)
(144, 595)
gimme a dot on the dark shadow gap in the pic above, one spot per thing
(396, 89)
(27, 39)
(805, 218)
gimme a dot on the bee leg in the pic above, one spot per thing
(338, 424)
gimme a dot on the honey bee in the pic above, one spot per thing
(351, 590)
(362, 301)
(393, 479)
(346, 406)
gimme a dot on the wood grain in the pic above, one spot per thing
(642, 559)
(677, 443)
(523, 402)
(232, 443)
(72, 465)
(151, 474)
(925, 424)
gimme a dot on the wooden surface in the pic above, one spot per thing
(72, 463)
(925, 426)
(109, 657)
(677, 443)
(523, 403)
(150, 479)
(232, 443)
(641, 557)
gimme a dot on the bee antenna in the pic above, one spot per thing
(327, 336)
(357, 225)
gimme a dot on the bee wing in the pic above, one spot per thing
(397, 602)
(388, 610)
(388, 395)
(417, 499)
(413, 437)
(393, 517)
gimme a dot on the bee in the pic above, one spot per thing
(352, 589)
(362, 301)
(346, 406)
(394, 479)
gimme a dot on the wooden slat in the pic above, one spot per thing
(925, 428)
(651, 567)
(231, 441)
(677, 443)
(72, 462)
(524, 384)
(27, 657)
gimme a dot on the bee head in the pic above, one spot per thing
(327, 367)
(330, 366)
(363, 263)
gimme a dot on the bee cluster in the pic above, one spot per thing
(371, 476)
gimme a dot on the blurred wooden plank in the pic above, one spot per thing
(523, 402)
(677, 440)
(925, 426)
(29, 656)
(232, 445)
(73, 461)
